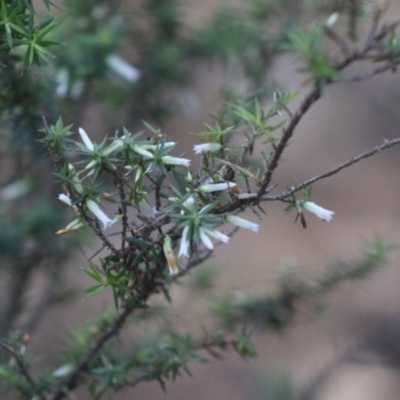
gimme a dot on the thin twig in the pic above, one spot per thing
(361, 77)
(333, 171)
(338, 40)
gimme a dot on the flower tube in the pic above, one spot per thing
(85, 138)
(243, 223)
(216, 187)
(170, 256)
(185, 242)
(98, 212)
(169, 160)
(207, 147)
(315, 209)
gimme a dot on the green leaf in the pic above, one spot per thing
(92, 291)
(136, 241)
(94, 273)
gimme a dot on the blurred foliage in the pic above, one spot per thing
(276, 311)
(81, 55)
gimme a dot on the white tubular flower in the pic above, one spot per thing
(205, 239)
(65, 199)
(207, 147)
(62, 79)
(243, 223)
(188, 203)
(96, 210)
(244, 196)
(73, 226)
(216, 187)
(170, 256)
(320, 212)
(216, 234)
(143, 152)
(175, 161)
(122, 68)
(85, 139)
(184, 247)
(14, 190)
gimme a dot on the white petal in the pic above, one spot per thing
(217, 235)
(62, 79)
(175, 161)
(122, 68)
(188, 203)
(244, 196)
(143, 152)
(65, 199)
(184, 246)
(320, 212)
(205, 147)
(215, 187)
(85, 139)
(98, 212)
(205, 239)
(243, 223)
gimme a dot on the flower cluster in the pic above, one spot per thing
(195, 212)
(199, 223)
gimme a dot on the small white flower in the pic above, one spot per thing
(77, 88)
(143, 152)
(62, 80)
(244, 196)
(320, 212)
(122, 68)
(175, 161)
(170, 256)
(63, 370)
(14, 190)
(243, 223)
(216, 234)
(207, 147)
(96, 210)
(205, 239)
(85, 139)
(65, 199)
(184, 247)
(188, 203)
(215, 187)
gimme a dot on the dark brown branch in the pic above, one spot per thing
(119, 181)
(312, 97)
(72, 380)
